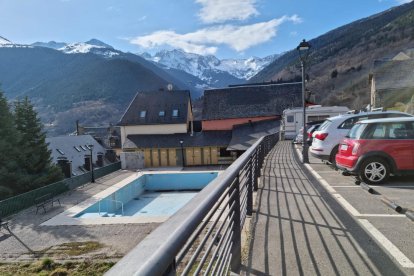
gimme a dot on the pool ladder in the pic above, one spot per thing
(116, 201)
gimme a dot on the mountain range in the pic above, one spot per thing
(340, 61)
(93, 80)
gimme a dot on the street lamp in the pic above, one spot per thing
(92, 174)
(182, 152)
(303, 50)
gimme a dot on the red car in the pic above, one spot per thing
(374, 149)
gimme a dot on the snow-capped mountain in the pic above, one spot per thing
(202, 66)
(94, 46)
(4, 41)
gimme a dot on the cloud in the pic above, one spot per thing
(218, 11)
(206, 41)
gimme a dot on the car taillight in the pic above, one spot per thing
(321, 136)
(355, 148)
(309, 135)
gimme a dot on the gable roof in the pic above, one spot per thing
(250, 101)
(393, 74)
(67, 144)
(152, 103)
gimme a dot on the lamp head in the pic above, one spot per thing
(303, 49)
(181, 142)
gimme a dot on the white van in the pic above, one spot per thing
(292, 117)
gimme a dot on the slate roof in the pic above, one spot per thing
(67, 144)
(153, 102)
(393, 74)
(199, 139)
(245, 135)
(250, 101)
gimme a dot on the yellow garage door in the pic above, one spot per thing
(164, 157)
(197, 156)
(172, 157)
(155, 158)
(206, 156)
(189, 159)
(214, 156)
(147, 158)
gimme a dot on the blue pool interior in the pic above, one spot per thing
(150, 195)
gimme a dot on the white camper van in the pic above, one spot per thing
(292, 118)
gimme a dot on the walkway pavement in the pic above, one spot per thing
(300, 229)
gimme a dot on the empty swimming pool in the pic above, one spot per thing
(153, 194)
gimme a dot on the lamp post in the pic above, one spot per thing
(182, 152)
(92, 174)
(303, 50)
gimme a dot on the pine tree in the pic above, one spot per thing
(34, 155)
(10, 172)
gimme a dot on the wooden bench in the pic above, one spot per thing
(44, 200)
(4, 224)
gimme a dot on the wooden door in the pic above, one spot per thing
(214, 156)
(164, 157)
(147, 158)
(206, 156)
(197, 156)
(172, 157)
(155, 158)
(189, 157)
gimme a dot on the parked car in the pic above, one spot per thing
(310, 126)
(310, 132)
(374, 149)
(328, 136)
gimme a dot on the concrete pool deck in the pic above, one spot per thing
(29, 233)
(68, 217)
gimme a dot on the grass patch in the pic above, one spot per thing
(48, 267)
(78, 248)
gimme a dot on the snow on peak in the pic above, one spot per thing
(4, 41)
(199, 65)
(97, 42)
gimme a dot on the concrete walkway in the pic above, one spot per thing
(299, 229)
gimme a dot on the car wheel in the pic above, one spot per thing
(332, 156)
(374, 171)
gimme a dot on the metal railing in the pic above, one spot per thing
(116, 202)
(20, 202)
(204, 237)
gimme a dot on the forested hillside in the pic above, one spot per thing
(341, 60)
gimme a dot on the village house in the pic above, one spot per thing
(72, 154)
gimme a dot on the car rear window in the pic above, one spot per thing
(325, 125)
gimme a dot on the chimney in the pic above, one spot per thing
(65, 166)
(87, 164)
(99, 161)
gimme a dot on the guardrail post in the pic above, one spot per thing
(236, 247)
(256, 170)
(171, 270)
(250, 188)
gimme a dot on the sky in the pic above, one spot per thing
(224, 28)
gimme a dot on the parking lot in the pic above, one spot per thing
(393, 230)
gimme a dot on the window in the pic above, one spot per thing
(290, 119)
(349, 123)
(77, 149)
(84, 149)
(324, 125)
(60, 151)
(143, 113)
(161, 113)
(175, 113)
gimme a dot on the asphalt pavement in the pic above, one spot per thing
(312, 220)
